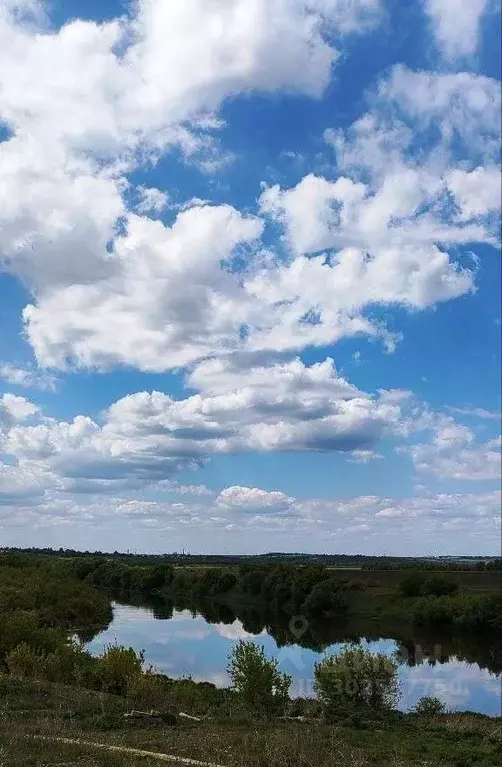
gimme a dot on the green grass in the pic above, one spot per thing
(30, 708)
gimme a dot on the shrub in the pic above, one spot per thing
(118, 667)
(327, 598)
(429, 706)
(468, 611)
(433, 611)
(356, 679)
(412, 585)
(257, 680)
(149, 691)
(478, 612)
(439, 586)
(24, 662)
(68, 664)
(199, 698)
(20, 626)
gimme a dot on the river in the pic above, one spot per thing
(183, 643)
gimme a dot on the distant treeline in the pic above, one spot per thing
(361, 561)
(310, 590)
(313, 591)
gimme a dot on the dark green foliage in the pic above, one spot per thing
(225, 583)
(417, 584)
(467, 611)
(304, 580)
(429, 706)
(24, 627)
(213, 581)
(159, 577)
(327, 598)
(412, 585)
(438, 586)
(251, 582)
(41, 601)
(311, 590)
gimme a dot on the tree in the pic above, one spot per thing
(439, 586)
(251, 581)
(429, 706)
(327, 598)
(157, 577)
(257, 679)
(225, 583)
(356, 679)
(412, 585)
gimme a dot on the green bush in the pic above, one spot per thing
(155, 577)
(23, 626)
(467, 611)
(327, 598)
(433, 611)
(68, 664)
(438, 586)
(483, 612)
(24, 662)
(356, 679)
(119, 667)
(149, 691)
(412, 585)
(429, 706)
(257, 680)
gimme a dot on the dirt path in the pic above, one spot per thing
(127, 750)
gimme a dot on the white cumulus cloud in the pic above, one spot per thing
(456, 24)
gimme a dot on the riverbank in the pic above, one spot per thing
(56, 711)
(61, 706)
(464, 601)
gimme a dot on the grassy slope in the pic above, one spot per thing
(28, 708)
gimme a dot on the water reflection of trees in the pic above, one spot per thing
(415, 645)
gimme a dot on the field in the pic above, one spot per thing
(468, 580)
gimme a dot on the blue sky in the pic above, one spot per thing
(250, 275)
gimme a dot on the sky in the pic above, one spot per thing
(250, 275)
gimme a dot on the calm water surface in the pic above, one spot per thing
(187, 645)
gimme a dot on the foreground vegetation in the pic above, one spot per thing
(393, 740)
(51, 688)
